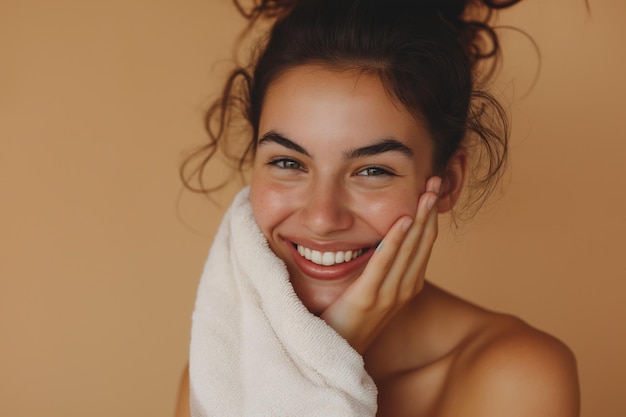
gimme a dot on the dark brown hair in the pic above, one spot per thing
(433, 56)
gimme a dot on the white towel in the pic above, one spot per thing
(255, 349)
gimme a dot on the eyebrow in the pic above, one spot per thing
(275, 137)
(382, 146)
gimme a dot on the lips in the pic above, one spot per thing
(329, 265)
(328, 258)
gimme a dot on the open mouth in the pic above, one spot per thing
(329, 258)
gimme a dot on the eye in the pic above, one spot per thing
(286, 163)
(374, 171)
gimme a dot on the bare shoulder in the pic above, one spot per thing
(510, 368)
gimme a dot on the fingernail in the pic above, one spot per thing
(431, 202)
(437, 185)
(406, 225)
(380, 245)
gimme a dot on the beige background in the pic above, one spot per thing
(100, 253)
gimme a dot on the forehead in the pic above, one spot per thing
(336, 106)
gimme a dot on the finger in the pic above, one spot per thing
(401, 276)
(377, 269)
(425, 206)
(418, 267)
(434, 185)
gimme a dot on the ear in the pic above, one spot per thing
(453, 181)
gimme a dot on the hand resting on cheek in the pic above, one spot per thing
(394, 275)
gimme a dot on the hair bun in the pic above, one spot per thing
(456, 8)
(450, 9)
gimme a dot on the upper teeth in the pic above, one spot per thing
(328, 258)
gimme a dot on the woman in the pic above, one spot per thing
(368, 119)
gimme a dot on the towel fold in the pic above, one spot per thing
(255, 348)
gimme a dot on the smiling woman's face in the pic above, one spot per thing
(337, 163)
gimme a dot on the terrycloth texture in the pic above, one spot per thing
(255, 349)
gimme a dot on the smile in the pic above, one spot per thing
(329, 258)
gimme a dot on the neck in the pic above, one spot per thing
(412, 339)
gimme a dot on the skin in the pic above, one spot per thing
(320, 180)
(321, 196)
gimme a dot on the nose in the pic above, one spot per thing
(326, 209)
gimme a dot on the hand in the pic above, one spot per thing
(393, 276)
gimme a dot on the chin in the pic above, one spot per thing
(317, 308)
(316, 300)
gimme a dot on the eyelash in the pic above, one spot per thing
(281, 163)
(379, 172)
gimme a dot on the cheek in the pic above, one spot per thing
(270, 204)
(382, 211)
